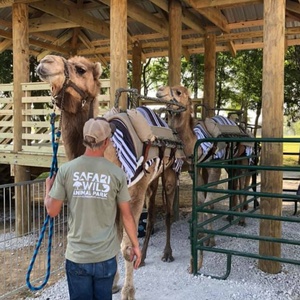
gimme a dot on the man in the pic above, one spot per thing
(93, 188)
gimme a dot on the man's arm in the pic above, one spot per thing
(131, 230)
(53, 206)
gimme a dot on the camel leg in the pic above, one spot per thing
(214, 175)
(169, 184)
(242, 199)
(116, 288)
(128, 290)
(138, 194)
(151, 194)
(243, 183)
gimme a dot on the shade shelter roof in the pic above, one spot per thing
(83, 27)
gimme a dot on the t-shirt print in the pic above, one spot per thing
(91, 185)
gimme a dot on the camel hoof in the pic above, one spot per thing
(128, 293)
(116, 289)
(142, 264)
(242, 223)
(229, 218)
(167, 258)
(212, 244)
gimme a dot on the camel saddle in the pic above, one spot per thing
(163, 137)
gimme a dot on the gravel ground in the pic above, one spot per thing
(164, 281)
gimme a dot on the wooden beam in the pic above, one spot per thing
(137, 66)
(186, 53)
(293, 6)
(20, 74)
(9, 3)
(48, 23)
(209, 90)
(232, 48)
(30, 159)
(175, 29)
(272, 117)
(5, 44)
(137, 13)
(222, 3)
(212, 14)
(216, 17)
(56, 8)
(188, 18)
(85, 40)
(60, 41)
(118, 50)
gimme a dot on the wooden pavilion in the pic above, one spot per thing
(116, 31)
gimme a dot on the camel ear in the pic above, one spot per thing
(97, 70)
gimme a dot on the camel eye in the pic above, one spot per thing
(178, 93)
(79, 70)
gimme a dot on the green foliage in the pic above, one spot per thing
(292, 84)
(6, 70)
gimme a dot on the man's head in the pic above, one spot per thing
(95, 131)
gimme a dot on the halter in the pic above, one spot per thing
(69, 83)
(61, 94)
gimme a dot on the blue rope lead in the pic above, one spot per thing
(53, 169)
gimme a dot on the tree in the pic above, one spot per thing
(292, 84)
(239, 82)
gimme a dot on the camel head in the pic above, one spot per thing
(176, 94)
(74, 82)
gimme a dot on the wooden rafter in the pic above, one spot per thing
(78, 16)
(199, 4)
(137, 13)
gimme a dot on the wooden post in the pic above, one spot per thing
(272, 117)
(175, 50)
(20, 74)
(118, 50)
(137, 66)
(175, 42)
(209, 90)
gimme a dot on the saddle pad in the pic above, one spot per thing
(218, 125)
(202, 133)
(130, 148)
(125, 149)
(230, 127)
(137, 144)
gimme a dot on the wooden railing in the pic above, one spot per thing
(36, 127)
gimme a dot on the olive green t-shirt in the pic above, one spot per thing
(92, 187)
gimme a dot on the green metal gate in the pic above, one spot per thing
(219, 208)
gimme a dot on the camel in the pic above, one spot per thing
(184, 124)
(74, 87)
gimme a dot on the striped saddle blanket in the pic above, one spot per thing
(129, 148)
(210, 128)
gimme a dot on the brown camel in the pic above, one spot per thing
(183, 123)
(74, 88)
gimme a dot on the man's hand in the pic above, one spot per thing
(135, 255)
(49, 183)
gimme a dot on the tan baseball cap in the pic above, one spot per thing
(98, 128)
